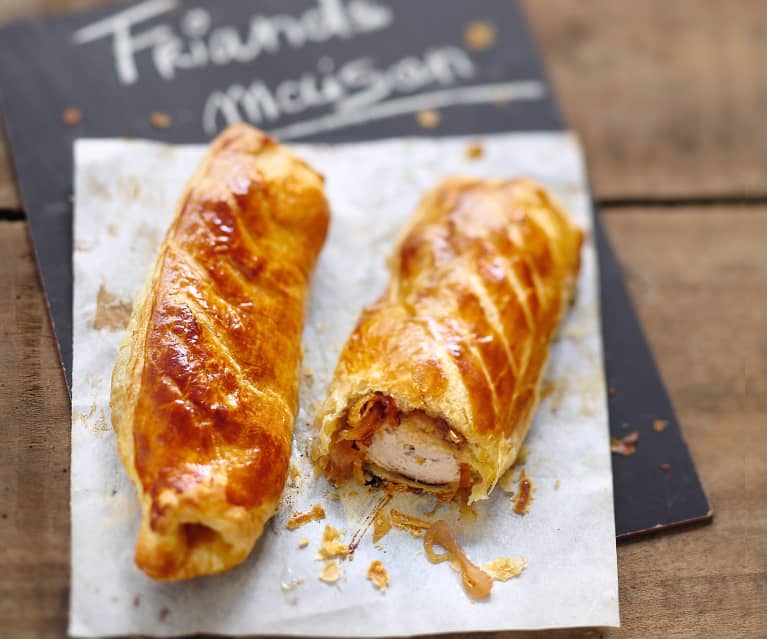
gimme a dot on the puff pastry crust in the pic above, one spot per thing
(205, 388)
(437, 384)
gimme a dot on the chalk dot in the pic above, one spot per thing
(196, 23)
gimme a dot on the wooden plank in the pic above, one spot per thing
(667, 97)
(34, 451)
(698, 279)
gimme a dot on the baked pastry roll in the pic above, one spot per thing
(205, 388)
(437, 384)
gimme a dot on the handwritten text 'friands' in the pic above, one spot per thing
(199, 44)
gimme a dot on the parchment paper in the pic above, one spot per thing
(126, 193)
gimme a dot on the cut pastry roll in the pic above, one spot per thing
(437, 385)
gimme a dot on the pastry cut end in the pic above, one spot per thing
(377, 439)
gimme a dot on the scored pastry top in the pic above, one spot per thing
(481, 275)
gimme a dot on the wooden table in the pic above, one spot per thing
(669, 99)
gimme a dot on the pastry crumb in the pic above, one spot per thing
(408, 523)
(665, 467)
(625, 445)
(474, 151)
(294, 473)
(296, 520)
(332, 544)
(330, 572)
(505, 568)
(160, 120)
(428, 118)
(611, 391)
(378, 575)
(557, 483)
(479, 35)
(72, 116)
(303, 543)
(659, 425)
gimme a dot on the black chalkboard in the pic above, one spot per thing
(313, 70)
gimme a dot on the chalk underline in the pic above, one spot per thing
(481, 94)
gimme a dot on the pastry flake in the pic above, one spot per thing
(408, 523)
(377, 575)
(625, 446)
(332, 544)
(505, 568)
(331, 573)
(381, 525)
(315, 513)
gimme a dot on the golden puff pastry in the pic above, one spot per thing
(205, 388)
(437, 384)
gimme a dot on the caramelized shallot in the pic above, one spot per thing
(476, 582)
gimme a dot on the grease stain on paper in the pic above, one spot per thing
(112, 313)
(94, 421)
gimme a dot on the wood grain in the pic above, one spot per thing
(667, 97)
(34, 452)
(698, 278)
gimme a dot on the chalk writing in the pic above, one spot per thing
(352, 86)
(197, 43)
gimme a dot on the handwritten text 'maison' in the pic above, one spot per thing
(199, 44)
(352, 86)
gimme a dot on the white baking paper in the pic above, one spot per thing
(126, 192)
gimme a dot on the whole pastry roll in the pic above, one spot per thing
(205, 388)
(436, 386)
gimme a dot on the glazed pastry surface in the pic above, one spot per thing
(205, 388)
(437, 384)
